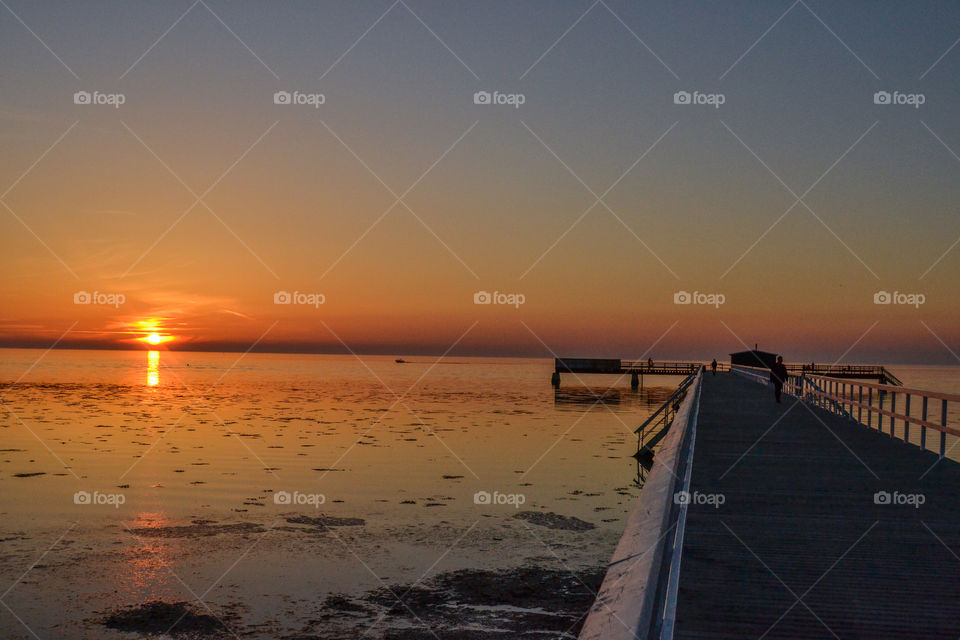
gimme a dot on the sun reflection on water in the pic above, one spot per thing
(145, 573)
(153, 368)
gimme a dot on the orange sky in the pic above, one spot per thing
(398, 199)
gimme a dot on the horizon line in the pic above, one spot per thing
(389, 353)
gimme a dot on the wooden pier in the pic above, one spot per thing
(651, 367)
(856, 371)
(635, 368)
(793, 520)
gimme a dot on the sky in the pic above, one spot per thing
(786, 200)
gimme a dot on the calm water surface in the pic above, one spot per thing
(381, 462)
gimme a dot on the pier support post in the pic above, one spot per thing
(634, 381)
(555, 379)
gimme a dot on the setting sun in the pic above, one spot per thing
(154, 339)
(151, 332)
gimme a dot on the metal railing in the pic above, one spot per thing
(757, 374)
(672, 365)
(853, 399)
(877, 371)
(661, 419)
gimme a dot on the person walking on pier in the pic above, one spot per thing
(713, 366)
(778, 376)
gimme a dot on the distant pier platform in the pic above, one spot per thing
(638, 368)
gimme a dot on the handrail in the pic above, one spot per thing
(663, 628)
(799, 366)
(757, 374)
(669, 401)
(939, 395)
(836, 394)
(791, 386)
(748, 371)
(634, 600)
(838, 408)
(665, 364)
(851, 370)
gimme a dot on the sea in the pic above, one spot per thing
(181, 494)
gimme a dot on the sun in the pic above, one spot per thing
(150, 331)
(154, 338)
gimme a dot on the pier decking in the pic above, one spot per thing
(799, 508)
(797, 523)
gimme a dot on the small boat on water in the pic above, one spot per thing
(400, 361)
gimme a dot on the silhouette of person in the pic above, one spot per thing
(778, 376)
(713, 366)
(649, 362)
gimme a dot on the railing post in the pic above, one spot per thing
(893, 409)
(906, 421)
(860, 400)
(923, 428)
(870, 407)
(943, 423)
(880, 396)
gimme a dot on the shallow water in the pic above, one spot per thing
(186, 458)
